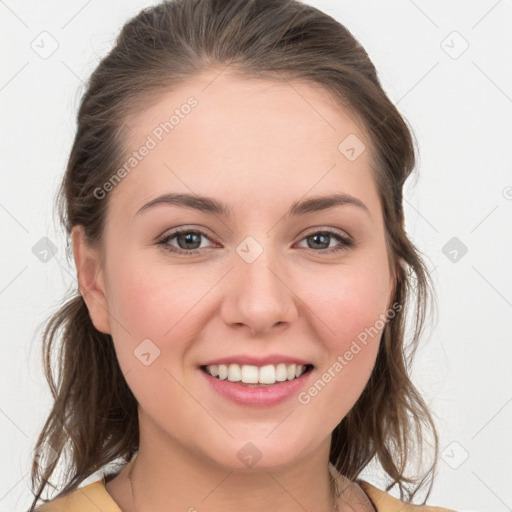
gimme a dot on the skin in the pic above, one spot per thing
(259, 146)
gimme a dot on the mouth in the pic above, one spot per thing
(257, 376)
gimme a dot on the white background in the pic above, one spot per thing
(460, 111)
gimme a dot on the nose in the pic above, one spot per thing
(259, 296)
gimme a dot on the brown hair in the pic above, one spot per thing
(94, 415)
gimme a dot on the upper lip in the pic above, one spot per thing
(257, 361)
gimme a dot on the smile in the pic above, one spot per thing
(251, 385)
(266, 375)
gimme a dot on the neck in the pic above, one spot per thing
(175, 479)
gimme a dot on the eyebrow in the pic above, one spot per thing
(212, 206)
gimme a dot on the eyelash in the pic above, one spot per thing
(346, 242)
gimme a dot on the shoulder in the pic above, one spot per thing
(384, 502)
(91, 498)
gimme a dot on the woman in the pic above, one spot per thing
(234, 201)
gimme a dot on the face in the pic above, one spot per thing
(263, 289)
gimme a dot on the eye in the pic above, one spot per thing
(322, 239)
(188, 240)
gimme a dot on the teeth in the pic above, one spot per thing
(223, 372)
(267, 374)
(281, 373)
(234, 373)
(250, 374)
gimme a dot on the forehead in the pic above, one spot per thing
(224, 99)
(243, 137)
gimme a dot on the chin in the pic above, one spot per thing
(266, 452)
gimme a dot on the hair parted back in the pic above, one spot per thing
(94, 415)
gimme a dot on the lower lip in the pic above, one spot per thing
(264, 396)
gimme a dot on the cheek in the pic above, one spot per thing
(142, 309)
(158, 312)
(351, 302)
(149, 300)
(353, 315)
(351, 308)
(152, 310)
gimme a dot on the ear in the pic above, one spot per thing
(90, 279)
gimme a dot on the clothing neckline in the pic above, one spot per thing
(369, 490)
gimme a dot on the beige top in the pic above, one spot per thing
(94, 497)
